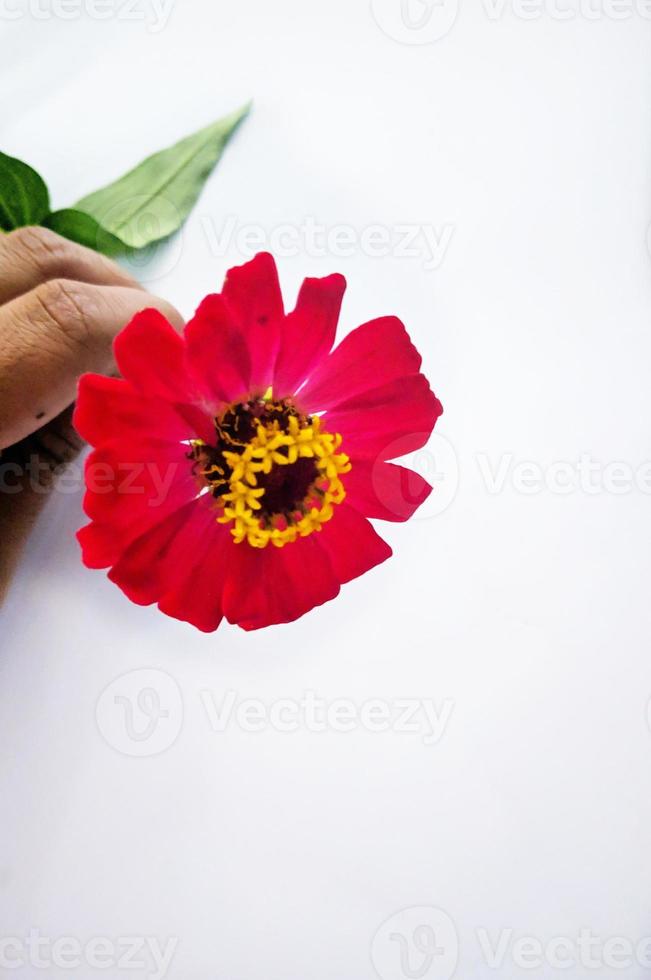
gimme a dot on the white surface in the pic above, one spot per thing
(273, 854)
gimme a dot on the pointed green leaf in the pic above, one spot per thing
(81, 228)
(153, 200)
(24, 198)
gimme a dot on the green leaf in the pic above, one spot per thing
(81, 228)
(24, 198)
(153, 200)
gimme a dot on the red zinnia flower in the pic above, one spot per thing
(224, 451)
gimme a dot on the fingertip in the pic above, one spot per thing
(170, 313)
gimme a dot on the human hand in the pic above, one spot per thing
(61, 305)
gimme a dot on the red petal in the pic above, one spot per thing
(352, 544)
(392, 420)
(272, 585)
(308, 333)
(372, 355)
(110, 408)
(252, 295)
(131, 486)
(198, 562)
(150, 355)
(217, 355)
(385, 491)
(150, 564)
(98, 545)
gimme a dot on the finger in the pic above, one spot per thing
(51, 336)
(18, 513)
(27, 473)
(44, 452)
(30, 256)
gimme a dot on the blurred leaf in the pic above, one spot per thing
(81, 228)
(153, 200)
(24, 198)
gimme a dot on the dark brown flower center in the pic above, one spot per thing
(286, 487)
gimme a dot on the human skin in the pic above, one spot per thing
(61, 305)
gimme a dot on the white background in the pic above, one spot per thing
(278, 855)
